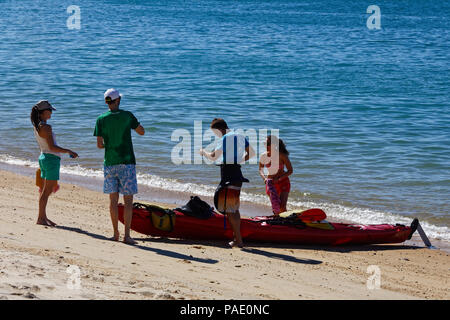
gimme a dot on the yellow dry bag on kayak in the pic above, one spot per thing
(165, 222)
(162, 219)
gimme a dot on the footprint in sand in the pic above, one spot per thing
(165, 296)
(29, 295)
(147, 294)
(28, 288)
(35, 288)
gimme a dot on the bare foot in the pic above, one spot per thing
(129, 240)
(46, 222)
(115, 237)
(50, 222)
(233, 244)
(43, 222)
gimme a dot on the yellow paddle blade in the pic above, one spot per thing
(320, 225)
(288, 213)
(309, 215)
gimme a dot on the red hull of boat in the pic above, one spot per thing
(254, 230)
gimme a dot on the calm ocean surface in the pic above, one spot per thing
(364, 113)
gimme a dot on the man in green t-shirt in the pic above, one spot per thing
(113, 132)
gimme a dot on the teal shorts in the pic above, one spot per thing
(49, 164)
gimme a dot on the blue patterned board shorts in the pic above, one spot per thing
(120, 178)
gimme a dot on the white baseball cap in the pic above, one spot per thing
(112, 94)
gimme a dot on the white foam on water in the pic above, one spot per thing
(77, 170)
(169, 184)
(354, 214)
(371, 216)
(18, 162)
(69, 169)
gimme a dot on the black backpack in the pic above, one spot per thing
(196, 207)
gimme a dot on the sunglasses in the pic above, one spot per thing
(109, 101)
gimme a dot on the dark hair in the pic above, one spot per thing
(34, 117)
(281, 145)
(219, 123)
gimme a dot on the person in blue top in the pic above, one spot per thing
(233, 149)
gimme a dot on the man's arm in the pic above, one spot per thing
(213, 156)
(98, 134)
(135, 125)
(100, 143)
(140, 130)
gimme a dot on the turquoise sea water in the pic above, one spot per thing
(364, 113)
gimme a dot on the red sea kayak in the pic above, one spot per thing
(260, 229)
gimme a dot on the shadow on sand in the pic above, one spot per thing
(340, 249)
(268, 245)
(251, 247)
(280, 256)
(163, 252)
(78, 230)
(221, 244)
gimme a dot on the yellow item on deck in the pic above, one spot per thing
(165, 222)
(325, 225)
(290, 212)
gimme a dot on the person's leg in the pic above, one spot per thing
(234, 216)
(43, 199)
(235, 222)
(114, 212)
(128, 187)
(111, 187)
(127, 216)
(283, 188)
(284, 198)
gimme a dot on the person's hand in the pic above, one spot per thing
(73, 154)
(201, 152)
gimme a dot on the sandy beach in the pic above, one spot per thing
(39, 262)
